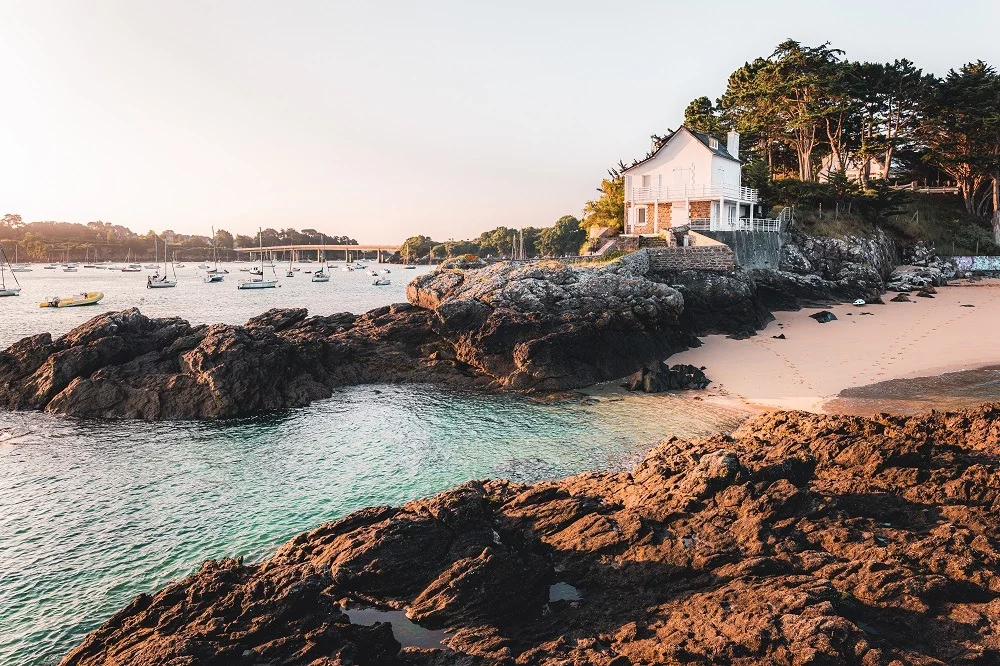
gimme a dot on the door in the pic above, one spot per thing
(682, 179)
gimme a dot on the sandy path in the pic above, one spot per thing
(817, 361)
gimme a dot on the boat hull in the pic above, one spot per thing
(10, 292)
(262, 284)
(88, 298)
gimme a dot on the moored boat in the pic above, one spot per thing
(83, 298)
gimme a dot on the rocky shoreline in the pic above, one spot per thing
(800, 539)
(536, 327)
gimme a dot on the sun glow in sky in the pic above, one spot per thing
(384, 120)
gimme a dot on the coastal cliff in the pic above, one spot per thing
(800, 539)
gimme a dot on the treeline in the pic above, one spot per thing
(804, 107)
(807, 113)
(103, 241)
(565, 237)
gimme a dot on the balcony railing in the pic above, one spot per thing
(742, 224)
(711, 191)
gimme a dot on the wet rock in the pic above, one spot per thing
(658, 377)
(823, 316)
(780, 336)
(800, 538)
(901, 297)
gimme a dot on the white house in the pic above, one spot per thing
(692, 179)
(853, 168)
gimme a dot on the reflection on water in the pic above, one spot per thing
(948, 391)
(92, 513)
(406, 631)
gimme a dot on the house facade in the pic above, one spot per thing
(692, 179)
(853, 168)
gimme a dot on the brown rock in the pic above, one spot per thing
(800, 539)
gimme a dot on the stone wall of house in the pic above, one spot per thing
(704, 258)
(701, 210)
(662, 210)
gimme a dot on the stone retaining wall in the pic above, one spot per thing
(703, 258)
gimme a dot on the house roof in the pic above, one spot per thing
(704, 138)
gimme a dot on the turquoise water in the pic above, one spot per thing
(92, 513)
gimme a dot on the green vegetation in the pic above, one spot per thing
(803, 108)
(100, 241)
(565, 237)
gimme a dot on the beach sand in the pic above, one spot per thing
(808, 369)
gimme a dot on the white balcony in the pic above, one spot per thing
(711, 191)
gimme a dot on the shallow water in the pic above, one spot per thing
(405, 630)
(93, 513)
(948, 391)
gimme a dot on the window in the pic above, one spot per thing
(640, 217)
(713, 143)
(647, 180)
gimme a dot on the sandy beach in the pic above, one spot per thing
(864, 346)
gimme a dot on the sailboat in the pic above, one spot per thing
(290, 272)
(215, 274)
(130, 267)
(258, 281)
(4, 265)
(16, 267)
(155, 266)
(323, 273)
(157, 282)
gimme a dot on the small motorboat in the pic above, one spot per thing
(132, 268)
(50, 267)
(83, 298)
(70, 269)
(373, 273)
(179, 265)
(90, 265)
(381, 282)
(347, 268)
(214, 277)
(409, 268)
(289, 273)
(203, 267)
(257, 271)
(20, 268)
(216, 271)
(152, 267)
(386, 271)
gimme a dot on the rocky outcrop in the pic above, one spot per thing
(718, 303)
(801, 539)
(658, 377)
(541, 326)
(816, 270)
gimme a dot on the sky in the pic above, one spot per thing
(382, 120)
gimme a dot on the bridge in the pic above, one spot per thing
(357, 251)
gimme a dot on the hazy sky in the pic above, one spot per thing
(384, 119)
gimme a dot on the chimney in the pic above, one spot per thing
(733, 144)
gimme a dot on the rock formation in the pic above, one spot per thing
(801, 539)
(658, 377)
(542, 326)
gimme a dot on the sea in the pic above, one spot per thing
(93, 513)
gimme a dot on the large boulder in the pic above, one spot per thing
(718, 303)
(547, 326)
